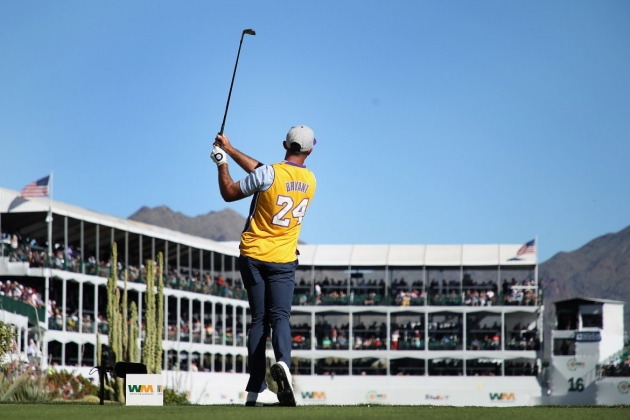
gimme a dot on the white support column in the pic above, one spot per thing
(95, 321)
(177, 263)
(223, 275)
(80, 308)
(389, 336)
(234, 327)
(202, 337)
(63, 303)
(350, 339)
(18, 339)
(349, 279)
(190, 323)
(140, 262)
(190, 276)
(223, 328)
(82, 252)
(214, 328)
(179, 312)
(313, 341)
(47, 299)
(426, 339)
(244, 323)
(165, 337)
(503, 338)
(503, 329)
(97, 257)
(166, 266)
(126, 250)
(312, 280)
(464, 340)
(63, 354)
(65, 242)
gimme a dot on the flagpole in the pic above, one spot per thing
(48, 260)
(50, 218)
(536, 271)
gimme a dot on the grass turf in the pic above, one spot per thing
(69, 411)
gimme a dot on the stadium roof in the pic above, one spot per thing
(318, 255)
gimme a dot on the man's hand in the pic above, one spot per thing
(218, 156)
(248, 164)
(223, 142)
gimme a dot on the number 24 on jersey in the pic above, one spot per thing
(282, 217)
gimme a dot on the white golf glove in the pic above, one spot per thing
(218, 156)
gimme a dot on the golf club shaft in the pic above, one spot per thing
(227, 105)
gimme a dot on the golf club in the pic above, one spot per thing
(248, 32)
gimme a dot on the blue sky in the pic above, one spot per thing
(437, 122)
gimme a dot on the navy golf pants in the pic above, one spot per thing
(270, 293)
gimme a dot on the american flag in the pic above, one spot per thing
(38, 188)
(528, 248)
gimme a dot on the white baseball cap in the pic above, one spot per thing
(302, 135)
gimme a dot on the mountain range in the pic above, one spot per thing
(224, 225)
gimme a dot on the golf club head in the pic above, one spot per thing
(249, 32)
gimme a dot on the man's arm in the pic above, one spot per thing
(247, 163)
(230, 190)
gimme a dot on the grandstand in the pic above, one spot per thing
(409, 314)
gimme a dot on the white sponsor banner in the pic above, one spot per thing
(613, 391)
(226, 388)
(144, 390)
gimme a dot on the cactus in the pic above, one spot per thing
(133, 334)
(113, 317)
(123, 332)
(124, 339)
(115, 320)
(148, 348)
(159, 327)
(112, 303)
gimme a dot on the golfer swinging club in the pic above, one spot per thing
(281, 194)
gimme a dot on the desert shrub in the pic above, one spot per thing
(25, 388)
(65, 385)
(172, 397)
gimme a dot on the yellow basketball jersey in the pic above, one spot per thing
(273, 227)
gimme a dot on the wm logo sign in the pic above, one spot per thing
(502, 396)
(143, 388)
(314, 395)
